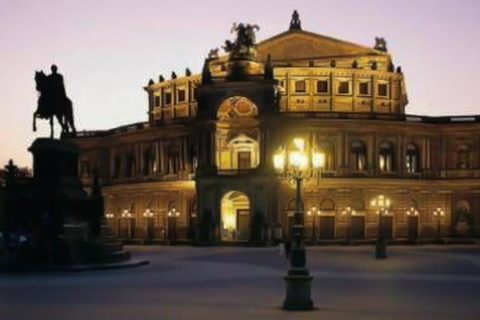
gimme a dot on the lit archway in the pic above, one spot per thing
(235, 216)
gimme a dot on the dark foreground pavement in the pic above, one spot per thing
(424, 282)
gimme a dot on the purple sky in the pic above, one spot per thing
(107, 50)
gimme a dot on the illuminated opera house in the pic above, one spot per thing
(212, 162)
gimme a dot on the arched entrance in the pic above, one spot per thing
(463, 218)
(327, 219)
(412, 220)
(235, 216)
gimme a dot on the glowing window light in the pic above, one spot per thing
(318, 160)
(299, 143)
(279, 161)
(230, 221)
(380, 202)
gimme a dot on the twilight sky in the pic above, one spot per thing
(108, 49)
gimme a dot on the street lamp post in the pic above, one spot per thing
(313, 213)
(349, 212)
(173, 214)
(110, 217)
(128, 216)
(439, 213)
(298, 164)
(382, 204)
(412, 212)
(149, 215)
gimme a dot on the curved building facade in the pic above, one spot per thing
(201, 168)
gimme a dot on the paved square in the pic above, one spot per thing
(424, 282)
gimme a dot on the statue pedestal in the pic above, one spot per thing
(55, 162)
(243, 69)
(298, 292)
(47, 206)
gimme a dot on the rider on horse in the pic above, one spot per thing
(54, 91)
(53, 100)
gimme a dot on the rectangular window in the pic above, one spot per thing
(411, 163)
(168, 98)
(244, 160)
(322, 86)
(116, 166)
(300, 86)
(364, 88)
(382, 90)
(194, 93)
(181, 95)
(343, 87)
(157, 101)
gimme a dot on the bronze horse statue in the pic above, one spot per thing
(53, 102)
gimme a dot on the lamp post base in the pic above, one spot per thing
(381, 249)
(298, 293)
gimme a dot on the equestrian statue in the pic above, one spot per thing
(53, 101)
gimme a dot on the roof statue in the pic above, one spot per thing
(11, 173)
(268, 70)
(213, 53)
(206, 74)
(53, 101)
(391, 67)
(380, 44)
(295, 23)
(244, 45)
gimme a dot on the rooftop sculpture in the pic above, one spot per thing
(244, 45)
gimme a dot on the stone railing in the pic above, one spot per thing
(460, 173)
(379, 116)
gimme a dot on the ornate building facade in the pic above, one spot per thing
(201, 168)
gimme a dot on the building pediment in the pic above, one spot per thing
(303, 45)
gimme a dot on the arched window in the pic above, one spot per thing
(237, 107)
(385, 160)
(149, 165)
(413, 204)
(462, 212)
(358, 156)
(413, 159)
(327, 205)
(292, 205)
(463, 157)
(117, 164)
(358, 205)
(130, 164)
